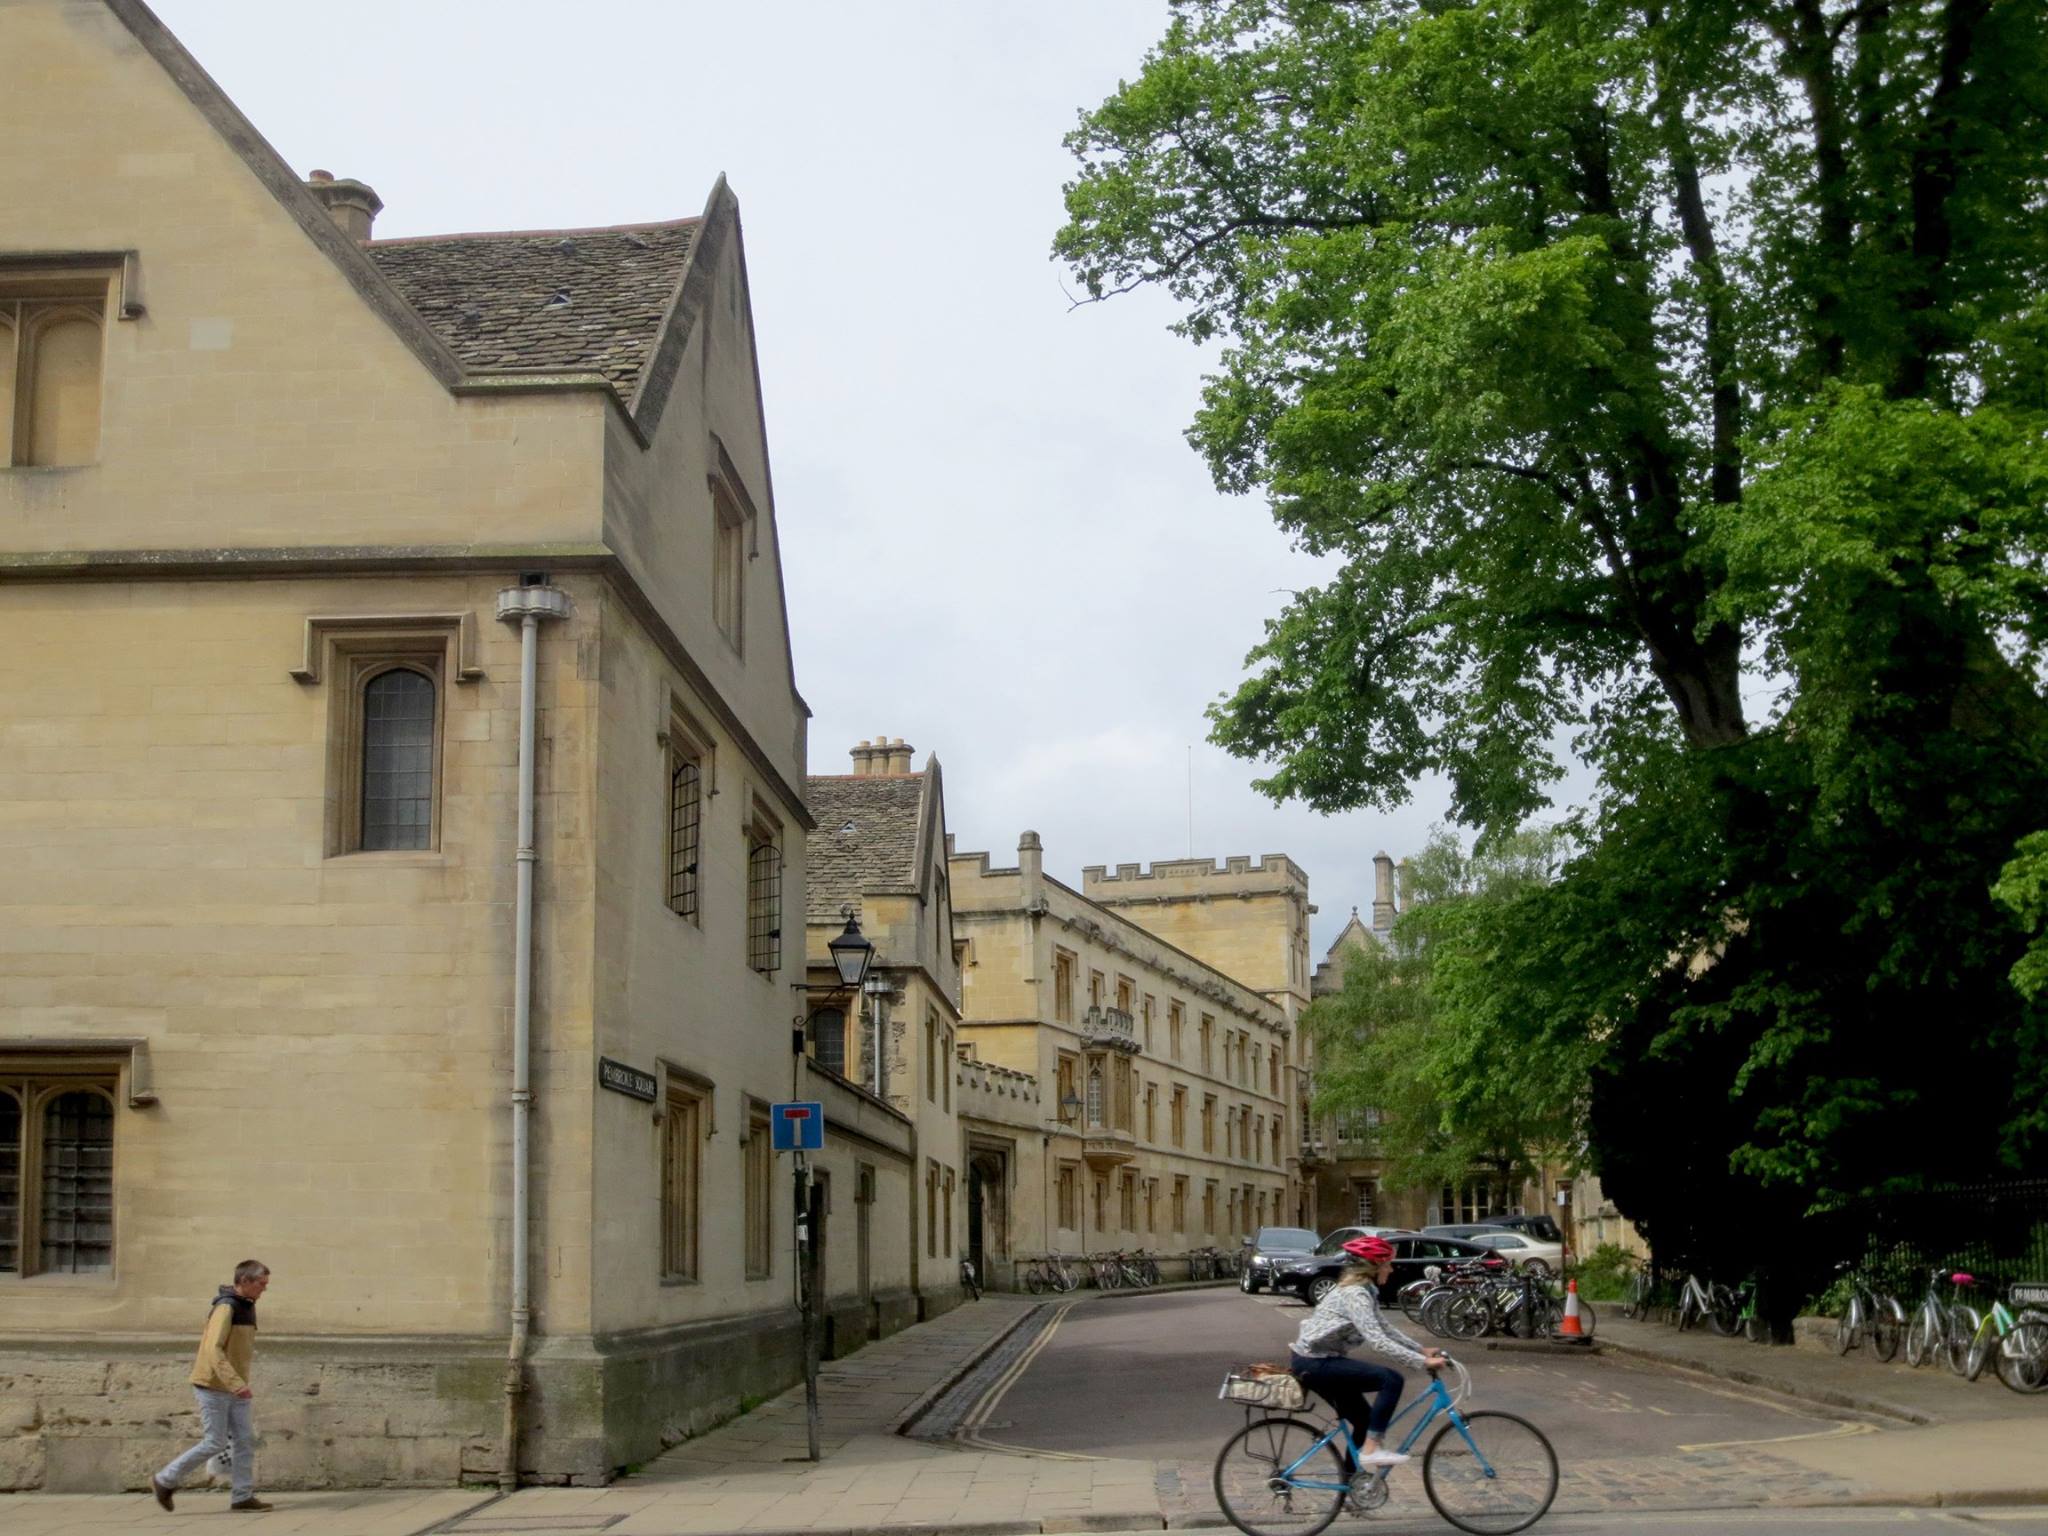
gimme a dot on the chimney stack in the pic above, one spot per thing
(1382, 893)
(1030, 860)
(351, 204)
(899, 756)
(863, 760)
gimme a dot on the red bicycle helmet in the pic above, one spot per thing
(1370, 1250)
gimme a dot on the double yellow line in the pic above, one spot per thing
(970, 1433)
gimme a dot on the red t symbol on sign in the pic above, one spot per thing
(796, 1112)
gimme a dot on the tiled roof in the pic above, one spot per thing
(866, 838)
(587, 300)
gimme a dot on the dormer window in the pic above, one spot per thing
(52, 342)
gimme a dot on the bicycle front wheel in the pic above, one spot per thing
(1982, 1343)
(1850, 1326)
(1922, 1336)
(1490, 1473)
(1260, 1477)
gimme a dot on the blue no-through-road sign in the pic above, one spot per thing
(797, 1127)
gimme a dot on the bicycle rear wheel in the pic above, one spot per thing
(2023, 1357)
(1258, 1493)
(1490, 1473)
(1034, 1280)
(1887, 1327)
(1963, 1322)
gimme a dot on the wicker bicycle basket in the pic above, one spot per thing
(1265, 1386)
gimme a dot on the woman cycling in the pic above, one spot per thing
(1348, 1315)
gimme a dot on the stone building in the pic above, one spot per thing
(881, 1061)
(1342, 1153)
(1250, 921)
(268, 486)
(1164, 1079)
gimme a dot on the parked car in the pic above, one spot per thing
(1266, 1247)
(1463, 1230)
(1523, 1250)
(1311, 1277)
(1536, 1225)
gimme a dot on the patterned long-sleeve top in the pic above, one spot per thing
(1348, 1316)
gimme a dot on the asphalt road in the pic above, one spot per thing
(1138, 1378)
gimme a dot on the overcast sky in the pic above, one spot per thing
(996, 540)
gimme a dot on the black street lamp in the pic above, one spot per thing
(852, 953)
(1070, 1108)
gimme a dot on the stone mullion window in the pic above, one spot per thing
(56, 1174)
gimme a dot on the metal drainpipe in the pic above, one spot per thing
(528, 603)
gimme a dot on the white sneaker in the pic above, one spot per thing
(1382, 1458)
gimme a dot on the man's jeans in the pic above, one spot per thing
(223, 1415)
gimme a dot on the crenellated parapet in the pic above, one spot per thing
(1237, 872)
(990, 1092)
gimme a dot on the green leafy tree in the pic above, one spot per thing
(1670, 381)
(1422, 1033)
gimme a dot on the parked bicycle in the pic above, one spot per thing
(1050, 1273)
(1869, 1314)
(1484, 1471)
(1927, 1334)
(2017, 1342)
(1641, 1285)
(1709, 1302)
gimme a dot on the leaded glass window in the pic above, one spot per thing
(77, 1158)
(398, 760)
(1094, 1096)
(828, 1039)
(764, 903)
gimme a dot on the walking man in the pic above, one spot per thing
(220, 1380)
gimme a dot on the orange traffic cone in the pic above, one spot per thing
(1571, 1328)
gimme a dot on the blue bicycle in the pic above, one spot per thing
(1486, 1472)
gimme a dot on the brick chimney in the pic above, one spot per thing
(863, 760)
(351, 204)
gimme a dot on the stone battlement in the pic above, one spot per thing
(993, 1085)
(1238, 871)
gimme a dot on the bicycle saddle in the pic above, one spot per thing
(1962, 1279)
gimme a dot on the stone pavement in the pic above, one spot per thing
(1857, 1381)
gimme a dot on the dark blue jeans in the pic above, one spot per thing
(1345, 1384)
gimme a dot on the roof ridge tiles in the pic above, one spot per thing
(537, 234)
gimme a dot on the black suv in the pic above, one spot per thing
(1267, 1247)
(1311, 1277)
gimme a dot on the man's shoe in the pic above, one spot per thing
(251, 1506)
(163, 1494)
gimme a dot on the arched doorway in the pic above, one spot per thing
(988, 1211)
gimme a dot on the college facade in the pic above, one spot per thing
(403, 783)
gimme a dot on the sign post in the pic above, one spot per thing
(800, 1128)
